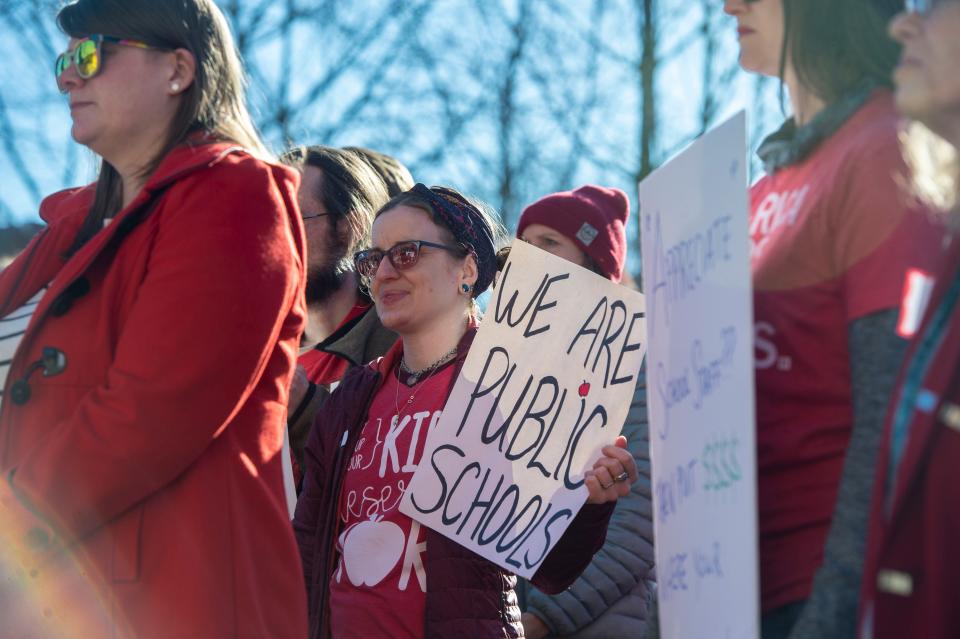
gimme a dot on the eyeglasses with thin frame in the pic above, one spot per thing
(402, 256)
(311, 217)
(87, 56)
(922, 7)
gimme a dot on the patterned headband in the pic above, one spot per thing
(469, 227)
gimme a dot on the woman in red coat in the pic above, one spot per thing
(370, 570)
(143, 409)
(912, 570)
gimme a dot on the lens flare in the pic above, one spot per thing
(50, 593)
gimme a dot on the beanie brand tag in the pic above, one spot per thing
(587, 234)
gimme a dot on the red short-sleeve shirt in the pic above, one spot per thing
(379, 586)
(832, 237)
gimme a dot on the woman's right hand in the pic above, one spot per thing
(612, 474)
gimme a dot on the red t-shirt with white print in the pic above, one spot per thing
(832, 238)
(379, 586)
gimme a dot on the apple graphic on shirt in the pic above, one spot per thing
(371, 549)
(584, 389)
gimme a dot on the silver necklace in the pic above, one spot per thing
(415, 376)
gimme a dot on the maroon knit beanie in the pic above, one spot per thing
(594, 217)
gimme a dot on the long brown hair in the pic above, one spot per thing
(835, 45)
(213, 104)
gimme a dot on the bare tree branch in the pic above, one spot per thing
(17, 161)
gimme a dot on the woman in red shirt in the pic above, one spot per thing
(371, 571)
(832, 238)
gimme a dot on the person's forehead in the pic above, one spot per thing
(542, 229)
(404, 223)
(311, 184)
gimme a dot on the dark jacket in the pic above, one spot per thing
(912, 571)
(467, 596)
(361, 340)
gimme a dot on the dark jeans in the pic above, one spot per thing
(778, 623)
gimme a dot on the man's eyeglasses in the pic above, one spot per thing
(87, 56)
(402, 256)
(312, 216)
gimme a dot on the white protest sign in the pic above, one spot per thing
(696, 277)
(547, 383)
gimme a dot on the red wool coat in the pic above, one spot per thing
(911, 578)
(142, 491)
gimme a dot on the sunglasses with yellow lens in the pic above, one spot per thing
(87, 56)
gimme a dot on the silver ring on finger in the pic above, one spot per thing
(605, 486)
(621, 477)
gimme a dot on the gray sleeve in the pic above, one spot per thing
(626, 557)
(875, 356)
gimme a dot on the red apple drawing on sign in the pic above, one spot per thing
(371, 549)
(584, 389)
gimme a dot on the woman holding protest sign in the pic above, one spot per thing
(371, 570)
(587, 226)
(143, 410)
(832, 239)
(912, 570)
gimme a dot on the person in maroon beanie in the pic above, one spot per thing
(587, 226)
(912, 569)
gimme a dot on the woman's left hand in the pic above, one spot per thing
(611, 475)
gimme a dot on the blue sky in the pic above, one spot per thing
(40, 119)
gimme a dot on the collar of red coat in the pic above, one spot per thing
(182, 160)
(65, 212)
